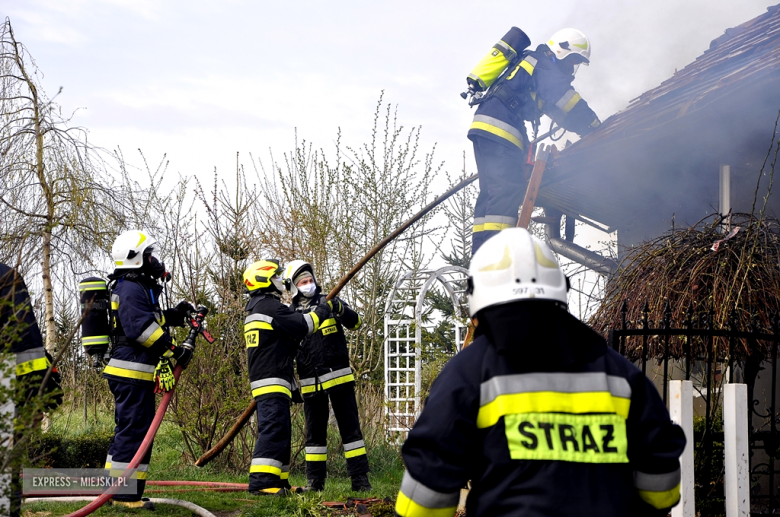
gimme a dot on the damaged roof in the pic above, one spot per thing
(658, 159)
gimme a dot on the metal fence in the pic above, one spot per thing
(707, 350)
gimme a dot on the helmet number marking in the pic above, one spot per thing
(528, 290)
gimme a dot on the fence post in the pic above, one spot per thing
(681, 411)
(735, 435)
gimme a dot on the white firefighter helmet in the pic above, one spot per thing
(128, 249)
(570, 42)
(291, 272)
(511, 266)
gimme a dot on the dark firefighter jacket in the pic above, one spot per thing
(533, 85)
(18, 325)
(272, 332)
(141, 329)
(323, 360)
(544, 420)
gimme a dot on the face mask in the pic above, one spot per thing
(308, 289)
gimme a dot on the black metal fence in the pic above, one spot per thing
(699, 350)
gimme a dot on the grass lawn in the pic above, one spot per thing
(167, 464)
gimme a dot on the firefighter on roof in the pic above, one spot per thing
(141, 340)
(324, 371)
(272, 332)
(538, 413)
(523, 86)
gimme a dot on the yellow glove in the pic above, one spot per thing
(164, 381)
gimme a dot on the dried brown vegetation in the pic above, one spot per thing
(726, 276)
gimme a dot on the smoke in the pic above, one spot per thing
(638, 45)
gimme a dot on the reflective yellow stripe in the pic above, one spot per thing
(157, 334)
(498, 132)
(661, 500)
(130, 374)
(34, 365)
(285, 475)
(405, 507)
(271, 389)
(569, 105)
(92, 286)
(355, 452)
(138, 474)
(489, 227)
(596, 122)
(266, 469)
(257, 325)
(551, 402)
(528, 67)
(315, 321)
(94, 340)
(328, 322)
(316, 457)
(328, 384)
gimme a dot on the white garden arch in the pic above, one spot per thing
(404, 310)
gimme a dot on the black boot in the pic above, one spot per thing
(315, 485)
(360, 483)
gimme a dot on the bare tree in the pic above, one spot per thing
(57, 204)
(331, 212)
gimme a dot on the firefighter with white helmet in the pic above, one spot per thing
(272, 332)
(326, 376)
(513, 85)
(538, 413)
(141, 341)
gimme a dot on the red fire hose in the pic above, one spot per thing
(158, 417)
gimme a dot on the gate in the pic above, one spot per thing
(698, 350)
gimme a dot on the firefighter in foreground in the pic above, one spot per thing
(533, 83)
(272, 332)
(324, 372)
(141, 341)
(21, 336)
(538, 413)
(19, 329)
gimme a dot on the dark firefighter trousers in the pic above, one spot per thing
(133, 414)
(315, 408)
(503, 176)
(271, 460)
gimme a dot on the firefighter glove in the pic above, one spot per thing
(182, 355)
(322, 311)
(336, 306)
(164, 381)
(177, 316)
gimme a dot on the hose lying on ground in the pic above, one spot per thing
(194, 508)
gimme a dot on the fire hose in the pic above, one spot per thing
(195, 322)
(247, 414)
(194, 508)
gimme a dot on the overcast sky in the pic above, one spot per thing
(204, 80)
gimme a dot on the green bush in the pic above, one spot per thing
(58, 451)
